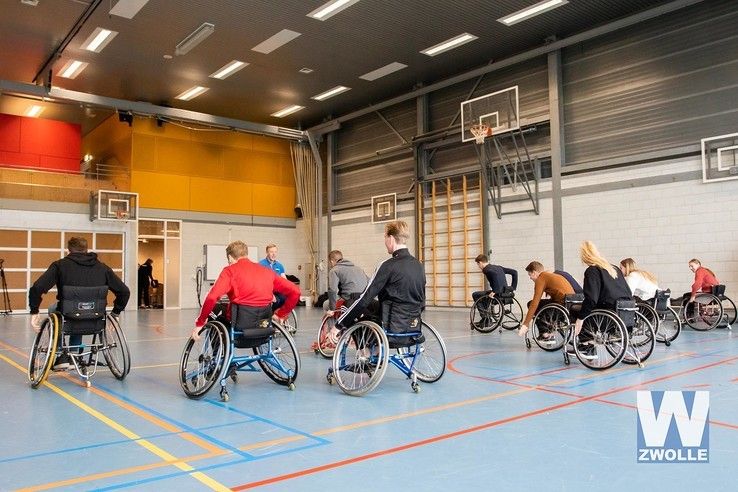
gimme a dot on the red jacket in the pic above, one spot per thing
(703, 280)
(249, 284)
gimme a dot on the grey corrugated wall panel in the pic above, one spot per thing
(394, 176)
(662, 84)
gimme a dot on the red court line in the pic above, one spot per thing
(698, 386)
(476, 428)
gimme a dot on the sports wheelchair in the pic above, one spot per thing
(710, 310)
(664, 319)
(327, 336)
(211, 358)
(82, 313)
(365, 349)
(488, 313)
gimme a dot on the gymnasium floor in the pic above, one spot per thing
(502, 418)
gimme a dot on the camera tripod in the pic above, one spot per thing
(4, 286)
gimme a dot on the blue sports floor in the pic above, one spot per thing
(501, 418)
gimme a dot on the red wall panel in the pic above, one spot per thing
(39, 144)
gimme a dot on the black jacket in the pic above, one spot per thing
(601, 291)
(496, 277)
(78, 269)
(399, 283)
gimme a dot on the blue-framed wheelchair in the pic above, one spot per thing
(212, 358)
(82, 313)
(365, 349)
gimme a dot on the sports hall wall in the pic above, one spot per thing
(636, 104)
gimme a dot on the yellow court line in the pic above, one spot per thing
(146, 444)
(152, 366)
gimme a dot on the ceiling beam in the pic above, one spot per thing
(513, 60)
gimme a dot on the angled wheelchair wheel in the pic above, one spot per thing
(486, 314)
(729, 313)
(115, 350)
(704, 313)
(651, 315)
(550, 327)
(430, 363)
(290, 324)
(641, 340)
(669, 327)
(203, 360)
(512, 315)
(280, 360)
(43, 351)
(360, 359)
(326, 344)
(602, 341)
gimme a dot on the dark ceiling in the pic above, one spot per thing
(365, 36)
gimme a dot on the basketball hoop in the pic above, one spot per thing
(480, 132)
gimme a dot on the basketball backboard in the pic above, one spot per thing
(720, 158)
(499, 110)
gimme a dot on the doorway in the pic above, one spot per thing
(160, 241)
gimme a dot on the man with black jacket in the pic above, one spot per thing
(81, 269)
(399, 283)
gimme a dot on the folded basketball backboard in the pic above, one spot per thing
(720, 158)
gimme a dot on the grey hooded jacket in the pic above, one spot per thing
(345, 280)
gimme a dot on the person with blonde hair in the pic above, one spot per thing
(642, 284)
(604, 284)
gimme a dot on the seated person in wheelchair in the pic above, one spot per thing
(495, 275)
(704, 280)
(642, 284)
(398, 282)
(250, 288)
(604, 284)
(79, 268)
(345, 281)
(554, 285)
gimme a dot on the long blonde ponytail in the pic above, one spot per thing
(591, 256)
(629, 265)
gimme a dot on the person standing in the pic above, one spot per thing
(145, 280)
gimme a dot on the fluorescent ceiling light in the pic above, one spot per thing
(98, 40)
(288, 110)
(331, 92)
(280, 39)
(330, 9)
(192, 93)
(449, 44)
(196, 37)
(382, 71)
(34, 111)
(128, 8)
(228, 69)
(531, 11)
(72, 68)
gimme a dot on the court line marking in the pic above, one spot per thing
(468, 430)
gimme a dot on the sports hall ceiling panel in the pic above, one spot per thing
(365, 36)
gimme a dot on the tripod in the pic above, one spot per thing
(4, 286)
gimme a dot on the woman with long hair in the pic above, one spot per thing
(642, 284)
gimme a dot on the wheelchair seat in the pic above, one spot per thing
(661, 301)
(574, 298)
(718, 291)
(252, 326)
(626, 309)
(83, 309)
(402, 340)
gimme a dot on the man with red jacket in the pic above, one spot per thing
(250, 286)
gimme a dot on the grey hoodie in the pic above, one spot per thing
(345, 279)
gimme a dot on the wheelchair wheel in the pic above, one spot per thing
(43, 351)
(280, 360)
(602, 341)
(326, 344)
(704, 313)
(430, 363)
(116, 352)
(669, 328)
(290, 324)
(512, 315)
(203, 359)
(486, 314)
(550, 327)
(641, 340)
(360, 359)
(729, 312)
(651, 315)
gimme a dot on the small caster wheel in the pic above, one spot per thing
(667, 343)
(640, 365)
(415, 387)
(527, 343)
(316, 351)
(329, 378)
(224, 396)
(88, 384)
(291, 387)
(234, 377)
(567, 360)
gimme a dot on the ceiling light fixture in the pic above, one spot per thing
(331, 92)
(280, 39)
(98, 40)
(382, 71)
(288, 110)
(330, 9)
(531, 11)
(306, 70)
(128, 8)
(72, 68)
(449, 44)
(196, 37)
(192, 93)
(228, 69)
(34, 111)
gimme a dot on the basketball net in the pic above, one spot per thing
(480, 132)
(121, 215)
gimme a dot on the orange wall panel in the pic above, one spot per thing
(156, 190)
(216, 195)
(277, 201)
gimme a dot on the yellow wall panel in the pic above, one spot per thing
(177, 157)
(157, 190)
(275, 201)
(213, 195)
(273, 145)
(143, 153)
